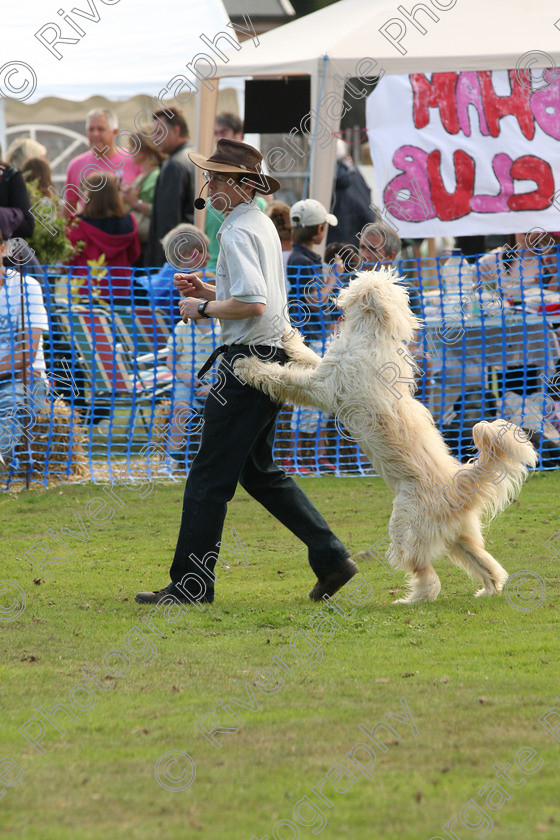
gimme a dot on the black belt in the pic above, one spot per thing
(263, 351)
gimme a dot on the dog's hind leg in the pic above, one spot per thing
(423, 585)
(409, 553)
(471, 555)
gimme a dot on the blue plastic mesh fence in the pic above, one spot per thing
(113, 394)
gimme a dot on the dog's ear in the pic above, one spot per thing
(368, 300)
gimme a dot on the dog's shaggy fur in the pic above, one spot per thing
(366, 379)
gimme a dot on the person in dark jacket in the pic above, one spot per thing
(352, 199)
(13, 193)
(10, 219)
(16, 219)
(110, 240)
(18, 253)
(173, 201)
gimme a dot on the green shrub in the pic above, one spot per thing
(50, 248)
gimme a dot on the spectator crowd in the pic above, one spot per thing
(128, 226)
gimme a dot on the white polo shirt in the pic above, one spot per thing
(250, 269)
(34, 313)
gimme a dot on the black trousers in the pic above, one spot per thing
(236, 446)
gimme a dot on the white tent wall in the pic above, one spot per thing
(133, 47)
(468, 35)
(441, 35)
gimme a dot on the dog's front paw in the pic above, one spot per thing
(247, 369)
(242, 368)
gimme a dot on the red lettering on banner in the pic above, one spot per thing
(531, 168)
(469, 103)
(414, 180)
(437, 93)
(517, 104)
(452, 93)
(455, 205)
(420, 176)
(501, 164)
(545, 104)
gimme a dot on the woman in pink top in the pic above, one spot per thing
(109, 237)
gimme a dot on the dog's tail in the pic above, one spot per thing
(504, 456)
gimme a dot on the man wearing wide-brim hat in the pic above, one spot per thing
(249, 299)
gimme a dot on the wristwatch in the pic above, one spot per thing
(202, 309)
(139, 203)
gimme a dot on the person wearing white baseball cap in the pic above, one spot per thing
(310, 212)
(310, 287)
(305, 270)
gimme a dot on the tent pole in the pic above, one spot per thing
(325, 96)
(206, 105)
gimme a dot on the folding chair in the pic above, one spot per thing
(147, 362)
(147, 329)
(114, 381)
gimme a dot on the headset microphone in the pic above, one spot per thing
(199, 203)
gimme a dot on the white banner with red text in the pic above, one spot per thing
(461, 154)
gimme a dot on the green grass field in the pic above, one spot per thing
(476, 675)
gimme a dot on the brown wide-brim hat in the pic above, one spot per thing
(240, 159)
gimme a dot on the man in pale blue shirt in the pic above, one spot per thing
(249, 299)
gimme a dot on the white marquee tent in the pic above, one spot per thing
(458, 35)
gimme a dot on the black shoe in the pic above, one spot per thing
(169, 593)
(332, 582)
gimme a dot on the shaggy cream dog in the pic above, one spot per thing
(366, 379)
